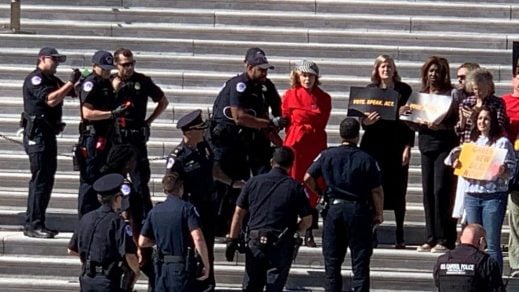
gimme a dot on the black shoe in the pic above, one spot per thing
(53, 232)
(37, 233)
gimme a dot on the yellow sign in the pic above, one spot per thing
(480, 162)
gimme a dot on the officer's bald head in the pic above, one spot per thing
(283, 156)
(349, 129)
(473, 234)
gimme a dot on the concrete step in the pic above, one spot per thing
(286, 49)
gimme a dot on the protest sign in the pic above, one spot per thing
(364, 100)
(480, 162)
(427, 108)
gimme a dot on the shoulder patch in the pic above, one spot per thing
(87, 87)
(170, 163)
(126, 189)
(36, 80)
(240, 87)
(128, 230)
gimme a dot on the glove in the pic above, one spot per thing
(280, 122)
(230, 249)
(74, 76)
(119, 111)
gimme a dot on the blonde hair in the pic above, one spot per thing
(294, 78)
(375, 78)
(481, 77)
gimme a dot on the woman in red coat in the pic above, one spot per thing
(308, 108)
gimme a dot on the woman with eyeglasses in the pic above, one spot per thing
(485, 200)
(390, 143)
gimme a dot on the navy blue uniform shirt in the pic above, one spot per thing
(281, 208)
(170, 224)
(243, 93)
(196, 170)
(36, 88)
(111, 241)
(347, 168)
(100, 94)
(137, 89)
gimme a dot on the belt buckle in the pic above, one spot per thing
(99, 269)
(263, 239)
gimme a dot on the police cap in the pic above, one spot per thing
(191, 121)
(104, 60)
(109, 184)
(52, 52)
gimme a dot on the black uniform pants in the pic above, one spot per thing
(267, 266)
(438, 192)
(173, 277)
(347, 225)
(207, 211)
(140, 175)
(259, 154)
(42, 151)
(90, 172)
(98, 283)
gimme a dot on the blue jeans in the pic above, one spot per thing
(489, 211)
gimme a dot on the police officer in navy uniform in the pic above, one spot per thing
(133, 89)
(355, 197)
(238, 115)
(121, 160)
(274, 201)
(43, 95)
(192, 159)
(468, 267)
(173, 226)
(98, 111)
(103, 240)
(260, 149)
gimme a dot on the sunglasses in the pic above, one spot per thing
(128, 64)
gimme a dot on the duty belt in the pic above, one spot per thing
(172, 259)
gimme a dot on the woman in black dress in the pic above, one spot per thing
(390, 143)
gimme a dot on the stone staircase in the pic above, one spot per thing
(190, 48)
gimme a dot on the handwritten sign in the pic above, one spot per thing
(427, 108)
(480, 162)
(372, 99)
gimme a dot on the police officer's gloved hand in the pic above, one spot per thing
(74, 76)
(230, 250)
(119, 111)
(280, 122)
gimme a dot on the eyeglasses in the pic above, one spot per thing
(128, 64)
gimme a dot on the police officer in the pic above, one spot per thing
(121, 160)
(193, 160)
(468, 267)
(43, 95)
(133, 89)
(260, 149)
(98, 110)
(274, 201)
(173, 227)
(238, 115)
(103, 240)
(353, 189)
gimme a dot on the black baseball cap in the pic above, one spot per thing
(259, 60)
(104, 60)
(52, 52)
(253, 52)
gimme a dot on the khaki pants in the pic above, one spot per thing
(513, 243)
